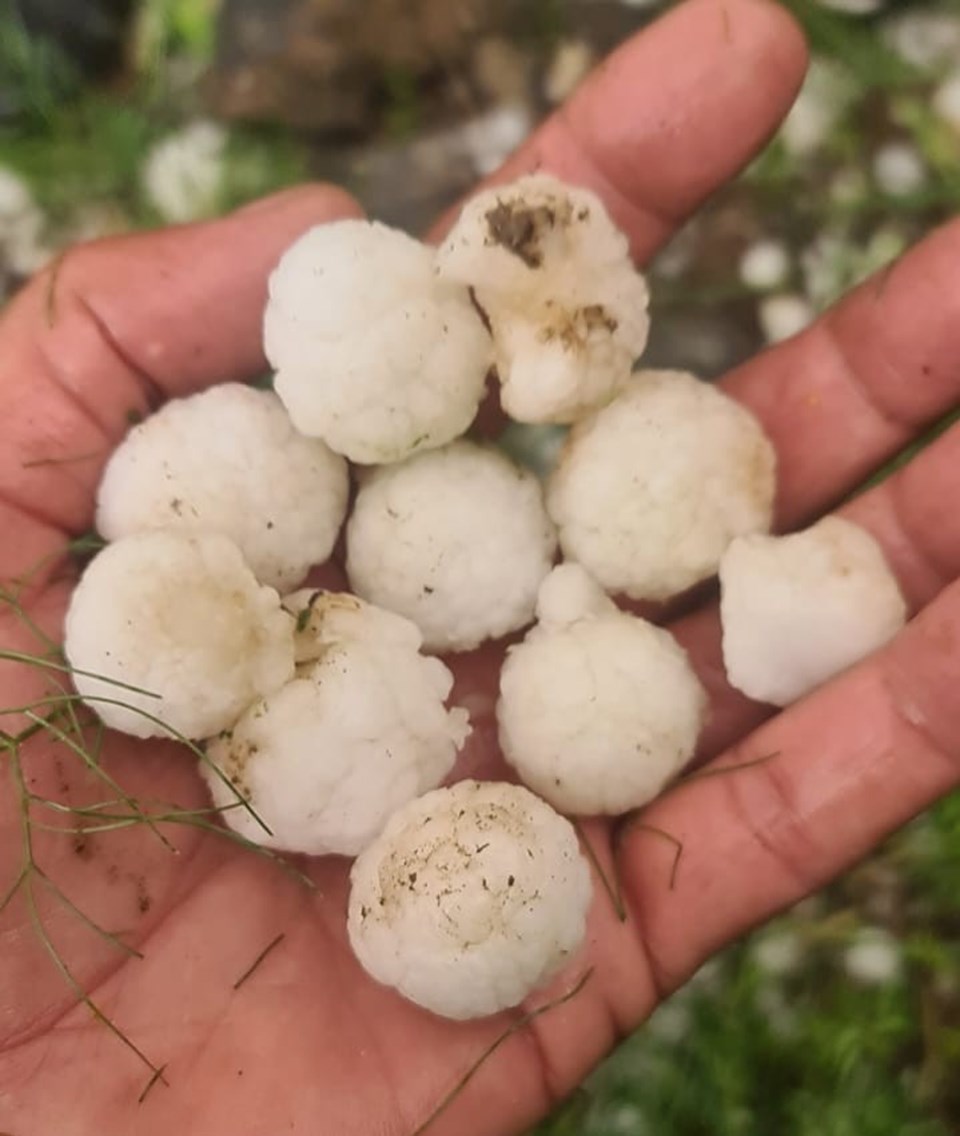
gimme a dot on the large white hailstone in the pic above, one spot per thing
(598, 709)
(798, 609)
(470, 899)
(650, 490)
(457, 540)
(554, 276)
(182, 619)
(373, 352)
(183, 174)
(229, 461)
(361, 730)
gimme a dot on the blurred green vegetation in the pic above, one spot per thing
(743, 1050)
(80, 145)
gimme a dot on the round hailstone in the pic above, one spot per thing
(183, 175)
(874, 958)
(926, 39)
(21, 226)
(572, 60)
(229, 461)
(946, 100)
(798, 609)
(854, 7)
(899, 169)
(598, 710)
(373, 352)
(649, 491)
(182, 620)
(360, 731)
(491, 137)
(470, 899)
(784, 316)
(765, 265)
(456, 539)
(554, 276)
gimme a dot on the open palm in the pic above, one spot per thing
(307, 1043)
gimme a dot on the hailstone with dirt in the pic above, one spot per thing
(470, 899)
(171, 632)
(553, 276)
(229, 461)
(359, 731)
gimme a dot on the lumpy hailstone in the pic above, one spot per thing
(554, 276)
(373, 352)
(456, 540)
(649, 491)
(182, 619)
(598, 710)
(360, 731)
(229, 461)
(470, 899)
(798, 609)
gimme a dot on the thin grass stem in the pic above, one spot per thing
(516, 1027)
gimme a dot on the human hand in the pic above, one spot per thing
(308, 1043)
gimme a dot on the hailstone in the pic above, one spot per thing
(456, 539)
(374, 353)
(554, 278)
(229, 461)
(470, 899)
(169, 631)
(650, 490)
(798, 609)
(361, 730)
(598, 709)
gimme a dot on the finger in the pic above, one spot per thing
(116, 326)
(853, 762)
(672, 115)
(914, 516)
(836, 401)
(854, 388)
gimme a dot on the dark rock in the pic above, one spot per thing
(407, 185)
(332, 65)
(91, 34)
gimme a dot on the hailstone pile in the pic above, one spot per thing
(324, 717)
